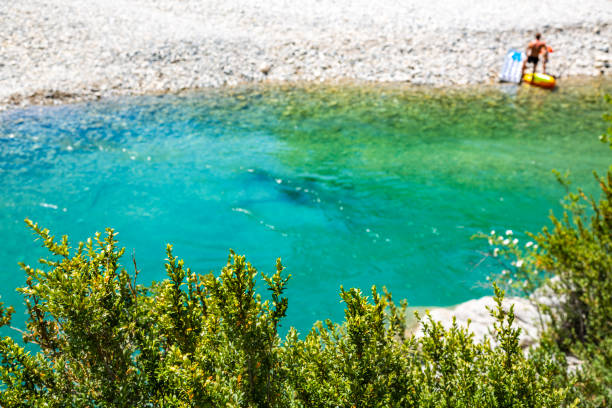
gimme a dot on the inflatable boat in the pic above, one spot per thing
(541, 80)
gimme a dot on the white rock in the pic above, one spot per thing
(265, 68)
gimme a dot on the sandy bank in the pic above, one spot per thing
(69, 49)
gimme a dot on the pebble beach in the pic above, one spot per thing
(68, 50)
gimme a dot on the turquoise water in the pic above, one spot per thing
(349, 185)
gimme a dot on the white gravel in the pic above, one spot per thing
(57, 50)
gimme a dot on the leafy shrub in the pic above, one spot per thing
(196, 341)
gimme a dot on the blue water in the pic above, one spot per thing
(350, 185)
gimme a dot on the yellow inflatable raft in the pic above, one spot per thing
(541, 80)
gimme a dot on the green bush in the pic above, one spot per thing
(197, 341)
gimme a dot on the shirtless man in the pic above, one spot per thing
(534, 50)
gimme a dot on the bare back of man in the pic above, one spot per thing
(534, 49)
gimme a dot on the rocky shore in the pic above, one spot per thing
(53, 51)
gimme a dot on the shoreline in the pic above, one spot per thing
(64, 51)
(56, 98)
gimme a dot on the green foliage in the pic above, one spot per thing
(482, 375)
(366, 362)
(580, 257)
(205, 340)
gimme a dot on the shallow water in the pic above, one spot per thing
(349, 185)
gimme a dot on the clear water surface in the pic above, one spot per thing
(350, 185)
